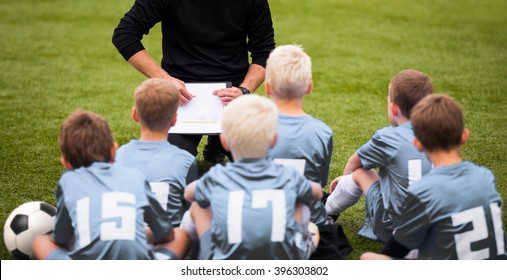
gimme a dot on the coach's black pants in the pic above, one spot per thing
(190, 142)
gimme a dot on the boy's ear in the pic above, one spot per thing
(66, 164)
(114, 147)
(394, 109)
(274, 141)
(174, 119)
(464, 136)
(135, 117)
(224, 143)
(267, 88)
(418, 145)
(310, 87)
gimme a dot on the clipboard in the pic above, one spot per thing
(203, 114)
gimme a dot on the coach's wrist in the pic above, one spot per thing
(244, 90)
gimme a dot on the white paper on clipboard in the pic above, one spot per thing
(203, 114)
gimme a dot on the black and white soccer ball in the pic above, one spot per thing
(24, 223)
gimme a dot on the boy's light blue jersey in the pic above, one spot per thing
(105, 207)
(307, 138)
(454, 212)
(391, 149)
(253, 203)
(168, 168)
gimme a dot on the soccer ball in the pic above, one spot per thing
(24, 223)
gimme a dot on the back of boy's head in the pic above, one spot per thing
(289, 72)
(156, 102)
(85, 138)
(438, 122)
(407, 88)
(249, 125)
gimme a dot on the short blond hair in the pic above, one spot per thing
(156, 102)
(289, 72)
(249, 125)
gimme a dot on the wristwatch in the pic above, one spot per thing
(244, 90)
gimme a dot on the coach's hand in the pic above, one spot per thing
(185, 95)
(228, 94)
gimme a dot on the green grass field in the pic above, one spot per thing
(57, 56)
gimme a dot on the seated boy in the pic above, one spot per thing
(102, 208)
(454, 211)
(391, 150)
(299, 135)
(250, 205)
(168, 168)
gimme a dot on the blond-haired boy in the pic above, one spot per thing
(251, 202)
(301, 137)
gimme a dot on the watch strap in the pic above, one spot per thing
(244, 90)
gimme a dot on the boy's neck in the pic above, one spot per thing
(444, 158)
(401, 121)
(149, 135)
(290, 107)
(238, 157)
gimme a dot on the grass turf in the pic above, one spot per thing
(57, 56)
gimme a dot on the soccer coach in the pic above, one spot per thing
(202, 41)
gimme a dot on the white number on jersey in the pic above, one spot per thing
(477, 217)
(114, 205)
(260, 199)
(414, 170)
(161, 191)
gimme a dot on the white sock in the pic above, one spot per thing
(346, 194)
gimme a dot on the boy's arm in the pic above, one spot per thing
(152, 240)
(352, 164)
(190, 191)
(316, 191)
